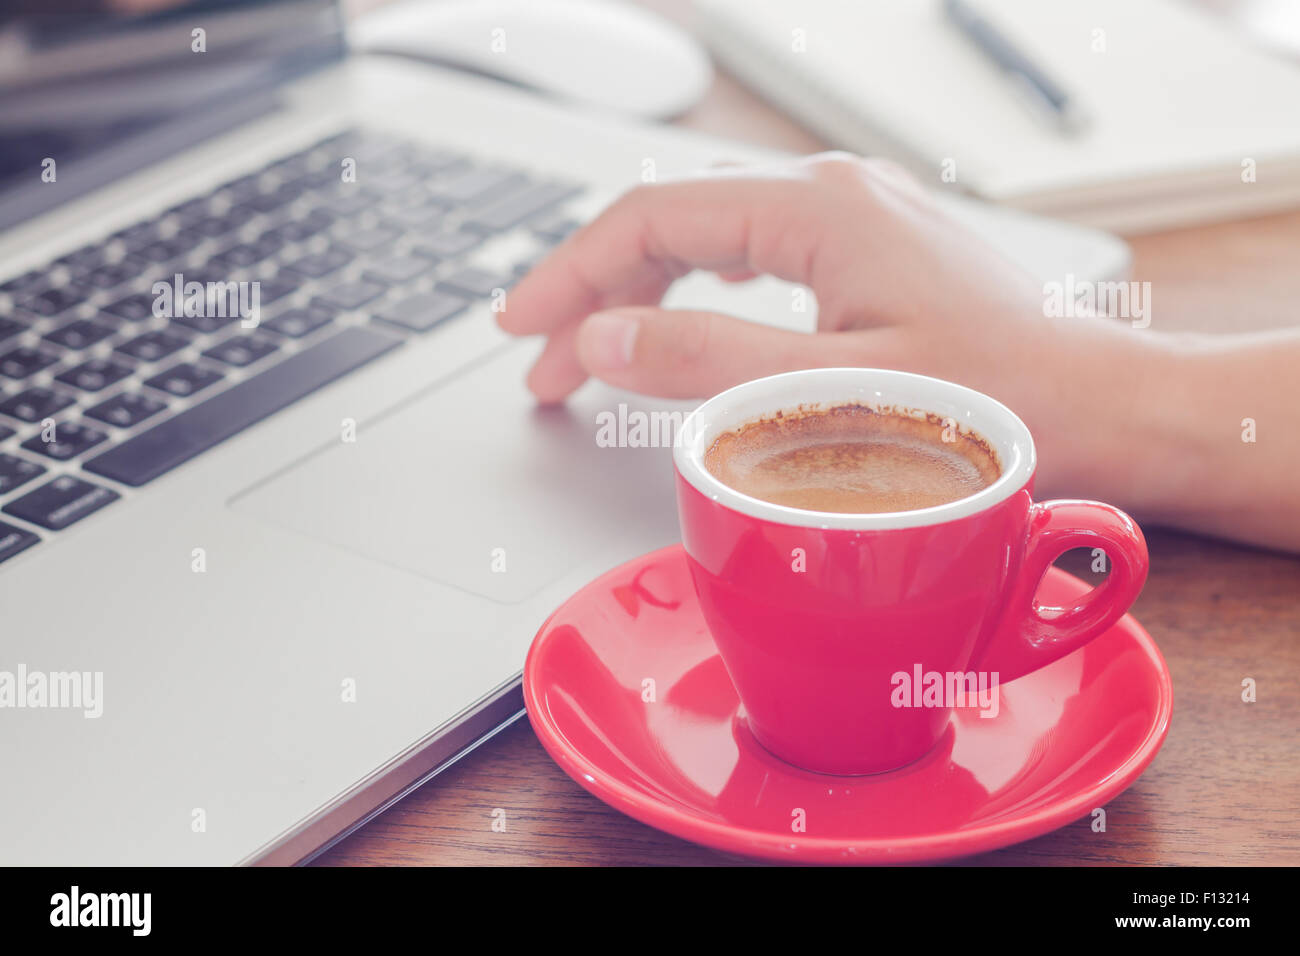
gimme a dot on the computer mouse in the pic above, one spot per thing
(603, 53)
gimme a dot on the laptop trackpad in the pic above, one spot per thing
(472, 485)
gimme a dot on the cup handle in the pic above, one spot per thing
(1030, 635)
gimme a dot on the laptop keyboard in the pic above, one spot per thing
(98, 387)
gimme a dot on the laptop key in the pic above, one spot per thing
(415, 215)
(213, 227)
(27, 282)
(427, 160)
(241, 350)
(316, 265)
(326, 176)
(152, 346)
(115, 273)
(365, 240)
(393, 182)
(268, 243)
(241, 255)
(15, 471)
(10, 327)
(364, 145)
(271, 290)
(95, 374)
(25, 360)
(15, 540)
(205, 324)
(61, 502)
(84, 259)
(421, 312)
(447, 245)
(204, 275)
(170, 443)
(395, 269)
(352, 295)
(511, 210)
(140, 234)
(126, 409)
(476, 185)
(350, 203)
(165, 250)
(555, 227)
(35, 404)
(133, 308)
(296, 323)
(298, 230)
(54, 301)
(277, 198)
(80, 334)
(476, 283)
(67, 440)
(184, 380)
(528, 263)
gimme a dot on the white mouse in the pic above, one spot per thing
(605, 53)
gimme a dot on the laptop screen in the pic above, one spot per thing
(93, 89)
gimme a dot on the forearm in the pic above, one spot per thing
(1197, 432)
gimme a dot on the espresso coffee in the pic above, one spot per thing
(853, 459)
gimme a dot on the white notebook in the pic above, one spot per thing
(1189, 121)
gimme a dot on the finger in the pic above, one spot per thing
(557, 371)
(686, 354)
(656, 234)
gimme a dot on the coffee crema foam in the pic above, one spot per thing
(852, 459)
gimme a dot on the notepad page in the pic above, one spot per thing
(1174, 94)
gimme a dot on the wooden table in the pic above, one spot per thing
(1224, 790)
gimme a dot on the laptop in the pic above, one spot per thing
(278, 518)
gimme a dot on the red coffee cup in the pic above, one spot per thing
(850, 638)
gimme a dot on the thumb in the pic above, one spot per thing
(684, 354)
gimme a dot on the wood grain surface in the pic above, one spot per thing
(1225, 789)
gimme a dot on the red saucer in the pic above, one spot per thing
(1067, 738)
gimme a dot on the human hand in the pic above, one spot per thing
(898, 283)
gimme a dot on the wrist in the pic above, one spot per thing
(1102, 423)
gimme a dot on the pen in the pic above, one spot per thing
(1045, 96)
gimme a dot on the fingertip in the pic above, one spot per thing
(545, 299)
(524, 310)
(556, 374)
(504, 323)
(543, 390)
(506, 318)
(550, 399)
